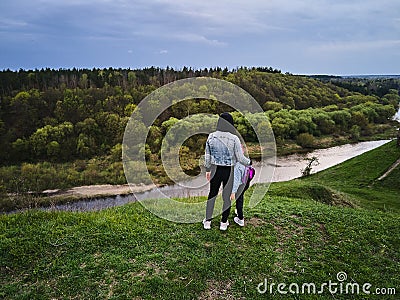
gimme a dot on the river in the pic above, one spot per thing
(397, 116)
(287, 168)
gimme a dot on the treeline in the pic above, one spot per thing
(378, 86)
(44, 79)
(64, 115)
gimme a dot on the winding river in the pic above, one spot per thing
(286, 168)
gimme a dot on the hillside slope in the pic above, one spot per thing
(128, 253)
(359, 176)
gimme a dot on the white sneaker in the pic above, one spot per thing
(224, 226)
(206, 224)
(238, 221)
(235, 211)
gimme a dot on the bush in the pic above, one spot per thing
(116, 153)
(305, 140)
(3, 191)
(355, 132)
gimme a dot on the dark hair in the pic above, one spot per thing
(225, 123)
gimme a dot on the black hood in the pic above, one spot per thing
(225, 123)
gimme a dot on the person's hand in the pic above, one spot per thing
(233, 197)
(208, 176)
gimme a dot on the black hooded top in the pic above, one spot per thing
(225, 123)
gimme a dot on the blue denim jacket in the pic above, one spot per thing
(238, 175)
(223, 149)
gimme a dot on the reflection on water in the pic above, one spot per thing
(397, 116)
(290, 167)
(286, 168)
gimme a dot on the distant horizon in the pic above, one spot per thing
(366, 75)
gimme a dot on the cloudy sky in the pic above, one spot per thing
(340, 37)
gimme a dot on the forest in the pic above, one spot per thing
(60, 128)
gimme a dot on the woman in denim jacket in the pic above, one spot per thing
(223, 150)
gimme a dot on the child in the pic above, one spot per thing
(241, 182)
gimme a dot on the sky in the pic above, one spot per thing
(335, 37)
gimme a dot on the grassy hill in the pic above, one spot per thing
(304, 231)
(353, 183)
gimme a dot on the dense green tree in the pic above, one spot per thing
(86, 146)
(53, 142)
(280, 128)
(20, 150)
(305, 124)
(359, 119)
(23, 113)
(384, 113)
(392, 97)
(129, 109)
(166, 125)
(67, 109)
(341, 118)
(325, 125)
(271, 105)
(355, 132)
(36, 105)
(111, 129)
(154, 139)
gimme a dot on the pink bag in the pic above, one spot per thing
(248, 175)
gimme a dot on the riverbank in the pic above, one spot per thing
(78, 196)
(95, 197)
(104, 190)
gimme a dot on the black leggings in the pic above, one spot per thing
(240, 199)
(224, 175)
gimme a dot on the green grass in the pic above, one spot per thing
(353, 183)
(127, 252)
(357, 178)
(302, 231)
(362, 170)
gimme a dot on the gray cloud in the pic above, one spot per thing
(255, 31)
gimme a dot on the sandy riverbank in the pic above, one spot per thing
(102, 190)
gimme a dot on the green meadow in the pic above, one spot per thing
(303, 231)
